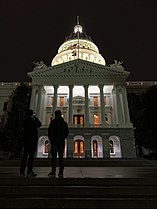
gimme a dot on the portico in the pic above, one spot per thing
(95, 105)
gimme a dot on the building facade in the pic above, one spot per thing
(92, 97)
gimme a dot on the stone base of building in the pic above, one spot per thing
(92, 143)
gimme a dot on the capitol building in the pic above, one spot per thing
(91, 95)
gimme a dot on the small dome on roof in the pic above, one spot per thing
(78, 32)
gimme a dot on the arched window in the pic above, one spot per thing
(96, 147)
(43, 147)
(114, 147)
(78, 148)
(111, 147)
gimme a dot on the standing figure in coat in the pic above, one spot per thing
(30, 128)
(57, 132)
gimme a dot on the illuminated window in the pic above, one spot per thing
(95, 148)
(96, 119)
(95, 98)
(104, 100)
(78, 148)
(81, 147)
(75, 120)
(78, 120)
(52, 101)
(81, 120)
(61, 101)
(111, 147)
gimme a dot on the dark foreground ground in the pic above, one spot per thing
(109, 184)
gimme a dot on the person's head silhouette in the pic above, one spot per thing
(58, 114)
(29, 113)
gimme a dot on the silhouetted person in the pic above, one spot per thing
(57, 132)
(30, 129)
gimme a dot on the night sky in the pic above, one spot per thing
(123, 30)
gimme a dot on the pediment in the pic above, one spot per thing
(78, 69)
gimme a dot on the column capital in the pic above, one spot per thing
(86, 86)
(101, 86)
(55, 86)
(44, 91)
(41, 87)
(71, 86)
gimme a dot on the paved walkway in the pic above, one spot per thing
(88, 172)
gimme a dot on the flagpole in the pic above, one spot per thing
(78, 35)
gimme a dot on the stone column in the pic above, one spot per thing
(102, 105)
(70, 121)
(122, 104)
(40, 89)
(42, 107)
(33, 98)
(115, 118)
(86, 106)
(126, 109)
(118, 105)
(55, 99)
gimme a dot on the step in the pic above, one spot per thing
(78, 181)
(131, 193)
(86, 203)
(119, 162)
(78, 191)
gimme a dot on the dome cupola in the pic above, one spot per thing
(78, 45)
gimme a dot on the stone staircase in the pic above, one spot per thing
(87, 162)
(107, 193)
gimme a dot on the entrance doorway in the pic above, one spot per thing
(78, 148)
(78, 120)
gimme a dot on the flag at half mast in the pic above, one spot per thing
(72, 47)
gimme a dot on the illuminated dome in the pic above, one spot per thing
(78, 45)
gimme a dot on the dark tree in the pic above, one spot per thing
(149, 117)
(19, 104)
(143, 114)
(135, 103)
